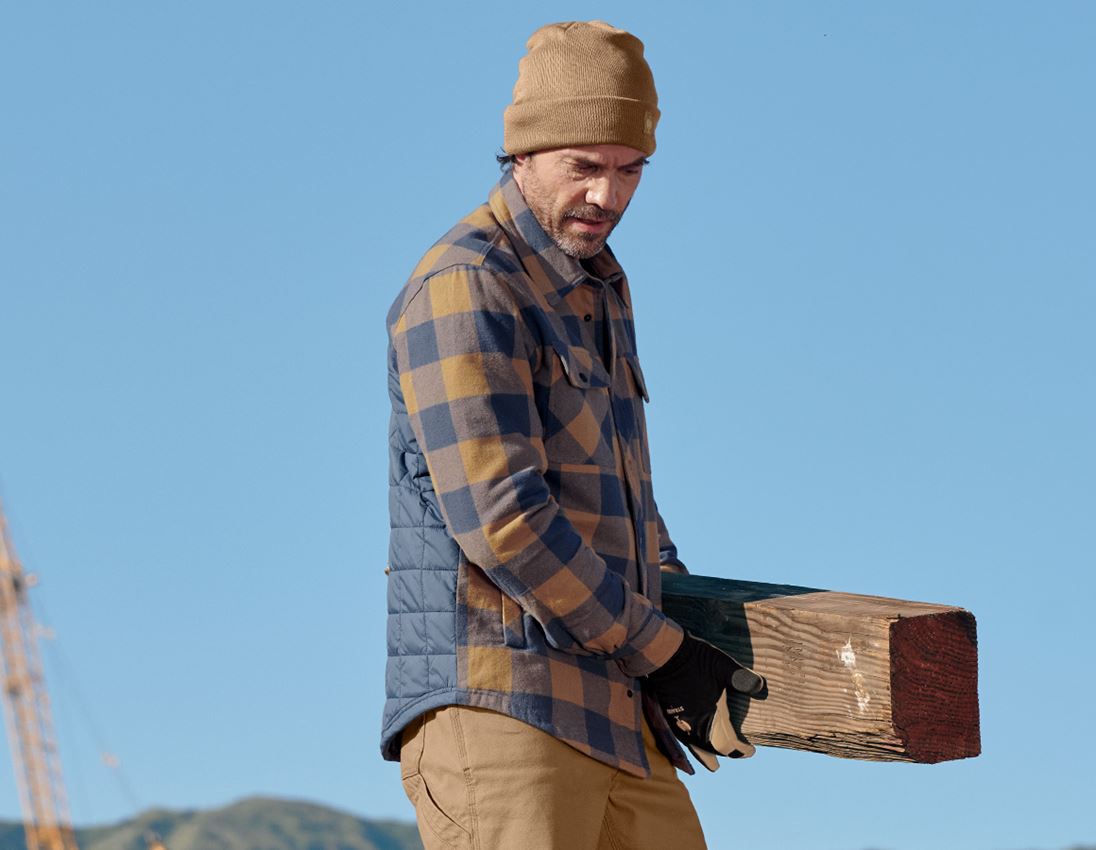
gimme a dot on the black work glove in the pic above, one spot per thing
(692, 689)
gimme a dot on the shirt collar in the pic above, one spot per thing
(563, 272)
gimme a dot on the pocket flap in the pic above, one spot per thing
(582, 369)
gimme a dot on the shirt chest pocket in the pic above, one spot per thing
(577, 412)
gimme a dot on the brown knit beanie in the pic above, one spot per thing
(582, 83)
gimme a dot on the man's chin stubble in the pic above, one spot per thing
(578, 246)
(580, 249)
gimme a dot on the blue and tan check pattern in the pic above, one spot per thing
(518, 371)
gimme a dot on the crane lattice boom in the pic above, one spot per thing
(27, 711)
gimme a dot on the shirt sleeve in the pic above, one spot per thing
(667, 551)
(465, 358)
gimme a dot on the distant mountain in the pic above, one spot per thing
(256, 823)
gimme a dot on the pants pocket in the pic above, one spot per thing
(438, 830)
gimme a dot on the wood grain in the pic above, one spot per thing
(855, 676)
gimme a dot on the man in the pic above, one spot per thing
(531, 674)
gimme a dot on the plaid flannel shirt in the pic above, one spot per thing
(517, 368)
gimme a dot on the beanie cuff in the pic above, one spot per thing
(567, 122)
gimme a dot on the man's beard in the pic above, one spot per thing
(581, 246)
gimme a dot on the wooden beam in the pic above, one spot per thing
(860, 677)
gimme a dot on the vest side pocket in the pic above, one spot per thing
(490, 615)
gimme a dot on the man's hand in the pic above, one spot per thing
(692, 688)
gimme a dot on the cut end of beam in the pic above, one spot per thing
(853, 676)
(934, 686)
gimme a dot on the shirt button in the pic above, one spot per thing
(587, 318)
(630, 692)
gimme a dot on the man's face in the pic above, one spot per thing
(579, 194)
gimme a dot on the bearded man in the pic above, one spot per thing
(534, 687)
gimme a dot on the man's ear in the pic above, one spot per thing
(521, 162)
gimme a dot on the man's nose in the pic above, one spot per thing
(602, 192)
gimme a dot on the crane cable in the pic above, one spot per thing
(69, 683)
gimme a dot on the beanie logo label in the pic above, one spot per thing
(648, 123)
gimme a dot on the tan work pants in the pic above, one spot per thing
(480, 780)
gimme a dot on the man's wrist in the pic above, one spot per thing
(656, 650)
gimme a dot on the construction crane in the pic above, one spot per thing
(46, 820)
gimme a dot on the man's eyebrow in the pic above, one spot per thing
(582, 160)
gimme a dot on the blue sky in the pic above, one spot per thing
(863, 267)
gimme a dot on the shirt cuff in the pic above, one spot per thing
(655, 644)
